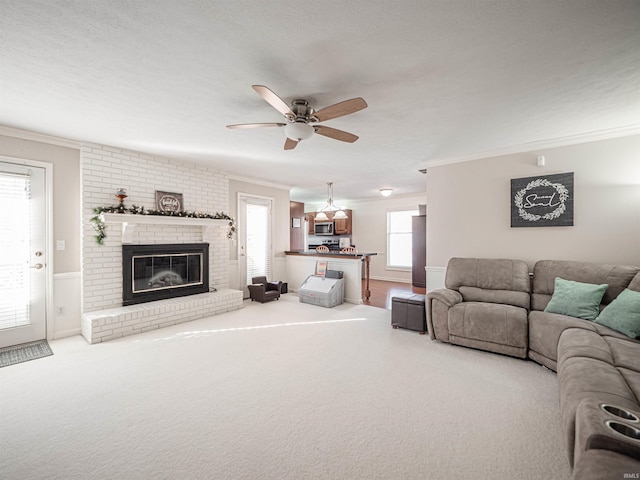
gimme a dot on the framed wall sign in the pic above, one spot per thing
(543, 201)
(169, 202)
(296, 222)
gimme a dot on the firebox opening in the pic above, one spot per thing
(155, 272)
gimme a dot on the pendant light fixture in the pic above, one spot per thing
(321, 217)
(330, 207)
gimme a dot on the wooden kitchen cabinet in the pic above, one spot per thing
(343, 226)
(311, 222)
(296, 233)
(340, 226)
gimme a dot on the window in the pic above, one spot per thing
(399, 238)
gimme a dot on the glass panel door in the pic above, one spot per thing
(22, 254)
(255, 249)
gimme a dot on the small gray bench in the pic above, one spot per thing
(408, 311)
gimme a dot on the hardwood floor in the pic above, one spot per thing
(382, 292)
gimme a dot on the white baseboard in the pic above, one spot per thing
(67, 333)
(391, 279)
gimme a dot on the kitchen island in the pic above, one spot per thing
(302, 264)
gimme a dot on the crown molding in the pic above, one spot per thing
(380, 198)
(255, 181)
(39, 137)
(540, 144)
(347, 203)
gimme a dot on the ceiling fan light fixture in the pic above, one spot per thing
(385, 192)
(298, 131)
(299, 116)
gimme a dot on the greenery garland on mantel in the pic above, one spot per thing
(101, 229)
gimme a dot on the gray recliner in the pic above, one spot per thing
(484, 306)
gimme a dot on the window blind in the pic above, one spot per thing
(399, 238)
(15, 235)
(258, 241)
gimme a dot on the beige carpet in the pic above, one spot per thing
(279, 391)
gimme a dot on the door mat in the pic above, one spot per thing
(24, 353)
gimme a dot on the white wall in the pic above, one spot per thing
(468, 207)
(370, 231)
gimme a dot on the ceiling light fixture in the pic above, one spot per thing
(298, 131)
(385, 192)
(330, 207)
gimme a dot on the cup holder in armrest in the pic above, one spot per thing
(624, 429)
(620, 412)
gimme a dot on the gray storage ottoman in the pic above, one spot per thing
(408, 311)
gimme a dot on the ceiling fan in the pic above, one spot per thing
(300, 118)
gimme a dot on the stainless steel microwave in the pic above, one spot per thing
(324, 228)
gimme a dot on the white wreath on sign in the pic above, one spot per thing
(563, 195)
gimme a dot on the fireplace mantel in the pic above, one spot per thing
(130, 222)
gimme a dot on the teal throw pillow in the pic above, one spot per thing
(623, 314)
(576, 299)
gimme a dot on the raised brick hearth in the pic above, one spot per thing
(103, 325)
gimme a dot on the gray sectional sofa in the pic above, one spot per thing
(494, 305)
(545, 328)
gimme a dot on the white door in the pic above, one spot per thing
(255, 252)
(23, 259)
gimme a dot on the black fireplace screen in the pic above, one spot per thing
(154, 272)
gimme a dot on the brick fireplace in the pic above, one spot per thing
(105, 169)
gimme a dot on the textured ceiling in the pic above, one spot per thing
(443, 79)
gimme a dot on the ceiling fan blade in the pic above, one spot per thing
(335, 134)
(340, 109)
(274, 100)
(290, 144)
(256, 125)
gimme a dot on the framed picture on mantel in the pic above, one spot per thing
(543, 201)
(169, 202)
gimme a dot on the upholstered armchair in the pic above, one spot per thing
(263, 291)
(484, 306)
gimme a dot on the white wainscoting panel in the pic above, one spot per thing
(435, 278)
(66, 305)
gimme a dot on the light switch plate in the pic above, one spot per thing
(60, 245)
